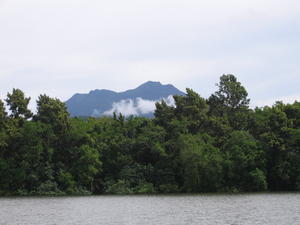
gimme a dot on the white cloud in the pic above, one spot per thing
(145, 106)
(133, 107)
(126, 107)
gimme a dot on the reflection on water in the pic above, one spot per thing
(260, 209)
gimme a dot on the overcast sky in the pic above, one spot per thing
(62, 47)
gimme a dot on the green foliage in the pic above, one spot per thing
(231, 102)
(144, 188)
(2, 115)
(118, 187)
(197, 145)
(231, 94)
(163, 113)
(257, 181)
(277, 129)
(66, 182)
(124, 187)
(201, 163)
(3, 122)
(47, 188)
(86, 166)
(243, 155)
(168, 188)
(53, 112)
(18, 104)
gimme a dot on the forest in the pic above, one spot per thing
(199, 145)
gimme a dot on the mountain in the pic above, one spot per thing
(139, 101)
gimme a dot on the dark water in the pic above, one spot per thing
(260, 209)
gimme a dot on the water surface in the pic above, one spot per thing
(260, 209)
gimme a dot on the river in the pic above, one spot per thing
(237, 209)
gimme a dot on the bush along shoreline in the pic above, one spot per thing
(197, 145)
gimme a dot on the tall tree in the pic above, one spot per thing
(193, 108)
(18, 104)
(230, 101)
(163, 113)
(53, 111)
(231, 93)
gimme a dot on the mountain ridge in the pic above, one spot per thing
(103, 100)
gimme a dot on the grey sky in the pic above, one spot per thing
(60, 47)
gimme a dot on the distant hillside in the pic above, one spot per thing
(139, 101)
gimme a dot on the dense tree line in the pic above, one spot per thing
(199, 145)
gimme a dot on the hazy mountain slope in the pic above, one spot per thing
(99, 101)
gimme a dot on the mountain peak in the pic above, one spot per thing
(155, 84)
(150, 82)
(96, 91)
